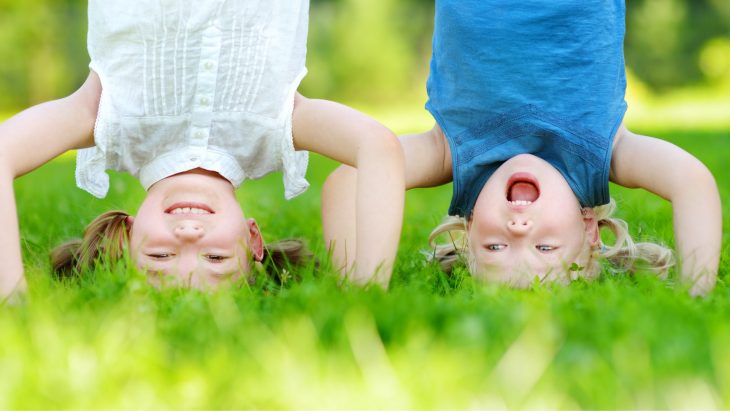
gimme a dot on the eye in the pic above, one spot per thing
(160, 256)
(215, 258)
(495, 247)
(544, 248)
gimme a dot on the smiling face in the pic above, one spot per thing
(527, 223)
(191, 231)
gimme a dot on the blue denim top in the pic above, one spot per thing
(532, 76)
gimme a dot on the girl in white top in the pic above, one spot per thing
(193, 98)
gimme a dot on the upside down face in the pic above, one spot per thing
(191, 231)
(528, 223)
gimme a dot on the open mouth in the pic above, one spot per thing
(189, 208)
(522, 189)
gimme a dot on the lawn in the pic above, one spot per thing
(431, 342)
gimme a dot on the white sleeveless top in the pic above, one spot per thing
(188, 84)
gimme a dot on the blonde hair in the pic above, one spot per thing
(624, 255)
(107, 236)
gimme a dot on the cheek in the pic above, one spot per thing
(583, 255)
(570, 226)
(483, 224)
(135, 242)
(138, 240)
(230, 228)
(144, 229)
(231, 240)
(480, 270)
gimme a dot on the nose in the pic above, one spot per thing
(189, 230)
(519, 225)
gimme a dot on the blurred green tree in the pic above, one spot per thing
(368, 50)
(42, 50)
(665, 39)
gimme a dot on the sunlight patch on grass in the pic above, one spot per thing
(405, 117)
(685, 110)
(689, 108)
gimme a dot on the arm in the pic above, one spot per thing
(675, 175)
(350, 137)
(427, 163)
(27, 141)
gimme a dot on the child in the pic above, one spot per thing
(528, 99)
(193, 98)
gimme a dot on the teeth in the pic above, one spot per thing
(189, 210)
(521, 202)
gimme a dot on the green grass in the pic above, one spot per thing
(431, 342)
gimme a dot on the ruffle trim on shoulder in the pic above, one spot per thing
(91, 163)
(91, 173)
(294, 163)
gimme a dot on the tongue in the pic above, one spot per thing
(523, 191)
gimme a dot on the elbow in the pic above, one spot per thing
(390, 145)
(699, 177)
(382, 144)
(387, 152)
(687, 180)
(381, 154)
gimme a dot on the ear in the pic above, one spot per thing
(129, 222)
(593, 234)
(256, 240)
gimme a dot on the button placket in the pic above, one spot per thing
(204, 97)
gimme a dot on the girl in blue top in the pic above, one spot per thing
(528, 99)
